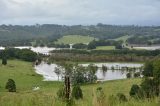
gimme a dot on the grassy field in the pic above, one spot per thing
(123, 38)
(73, 39)
(105, 48)
(25, 78)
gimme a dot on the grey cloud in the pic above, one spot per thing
(142, 12)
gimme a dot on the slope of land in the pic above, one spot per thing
(73, 39)
(25, 78)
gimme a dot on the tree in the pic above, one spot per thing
(4, 61)
(77, 92)
(57, 70)
(148, 69)
(104, 68)
(92, 69)
(11, 86)
(128, 75)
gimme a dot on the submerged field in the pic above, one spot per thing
(25, 78)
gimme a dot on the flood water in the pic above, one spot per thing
(148, 47)
(49, 75)
(42, 50)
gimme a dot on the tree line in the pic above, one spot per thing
(16, 34)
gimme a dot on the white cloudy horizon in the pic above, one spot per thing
(84, 12)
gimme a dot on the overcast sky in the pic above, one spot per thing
(71, 12)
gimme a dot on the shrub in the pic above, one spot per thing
(122, 97)
(149, 87)
(128, 75)
(136, 91)
(137, 74)
(4, 61)
(77, 92)
(11, 86)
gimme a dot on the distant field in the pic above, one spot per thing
(105, 48)
(73, 39)
(123, 38)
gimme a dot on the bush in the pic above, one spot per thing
(11, 86)
(136, 91)
(148, 69)
(128, 75)
(77, 92)
(137, 74)
(122, 97)
(149, 87)
(4, 61)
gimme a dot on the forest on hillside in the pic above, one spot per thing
(13, 35)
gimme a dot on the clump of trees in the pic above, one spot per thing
(103, 55)
(78, 74)
(95, 43)
(64, 93)
(150, 85)
(80, 46)
(24, 54)
(10, 85)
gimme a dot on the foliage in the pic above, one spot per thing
(104, 68)
(148, 69)
(77, 92)
(124, 55)
(128, 75)
(136, 91)
(4, 61)
(137, 74)
(122, 97)
(151, 82)
(96, 43)
(11, 86)
(24, 54)
(58, 70)
(80, 46)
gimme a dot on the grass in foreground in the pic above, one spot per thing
(73, 39)
(25, 78)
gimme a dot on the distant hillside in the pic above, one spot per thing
(23, 35)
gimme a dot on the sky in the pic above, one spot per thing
(84, 12)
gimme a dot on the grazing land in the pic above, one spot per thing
(74, 39)
(105, 48)
(25, 78)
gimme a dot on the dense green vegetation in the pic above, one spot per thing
(23, 54)
(124, 55)
(13, 35)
